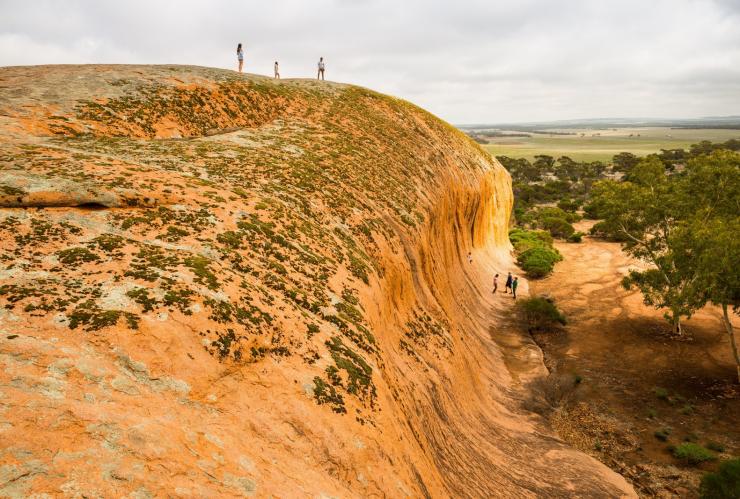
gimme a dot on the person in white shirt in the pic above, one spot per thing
(277, 71)
(322, 66)
(240, 56)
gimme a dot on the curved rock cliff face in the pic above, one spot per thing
(219, 285)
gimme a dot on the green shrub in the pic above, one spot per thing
(576, 237)
(535, 253)
(539, 261)
(72, 256)
(558, 227)
(687, 409)
(550, 212)
(661, 393)
(592, 211)
(693, 453)
(540, 313)
(662, 434)
(527, 218)
(715, 446)
(522, 239)
(569, 205)
(600, 230)
(724, 483)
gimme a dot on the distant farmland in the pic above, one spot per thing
(601, 144)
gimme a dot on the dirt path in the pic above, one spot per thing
(619, 377)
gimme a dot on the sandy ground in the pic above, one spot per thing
(623, 352)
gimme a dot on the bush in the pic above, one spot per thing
(558, 227)
(691, 437)
(526, 239)
(550, 212)
(592, 211)
(693, 453)
(576, 237)
(661, 393)
(724, 483)
(526, 218)
(540, 313)
(535, 254)
(538, 262)
(599, 230)
(715, 446)
(686, 410)
(662, 434)
(570, 205)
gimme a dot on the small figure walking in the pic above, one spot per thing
(240, 56)
(495, 283)
(470, 257)
(277, 70)
(509, 281)
(514, 284)
(322, 67)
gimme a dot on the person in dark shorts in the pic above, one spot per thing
(509, 280)
(495, 283)
(514, 285)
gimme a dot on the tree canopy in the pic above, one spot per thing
(687, 226)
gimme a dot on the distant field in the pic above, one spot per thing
(602, 147)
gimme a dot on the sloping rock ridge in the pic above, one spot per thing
(217, 285)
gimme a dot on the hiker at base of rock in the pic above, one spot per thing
(322, 67)
(495, 283)
(277, 70)
(514, 285)
(509, 280)
(240, 56)
(470, 258)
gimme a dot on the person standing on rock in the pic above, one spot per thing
(240, 56)
(495, 283)
(508, 283)
(514, 285)
(277, 71)
(322, 67)
(470, 257)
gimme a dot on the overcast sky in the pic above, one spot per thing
(468, 61)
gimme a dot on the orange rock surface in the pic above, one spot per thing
(215, 285)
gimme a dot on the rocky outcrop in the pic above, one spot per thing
(271, 296)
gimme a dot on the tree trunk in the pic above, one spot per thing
(731, 333)
(677, 327)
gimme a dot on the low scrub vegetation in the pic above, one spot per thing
(535, 252)
(715, 446)
(540, 313)
(722, 484)
(662, 434)
(556, 221)
(576, 237)
(693, 454)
